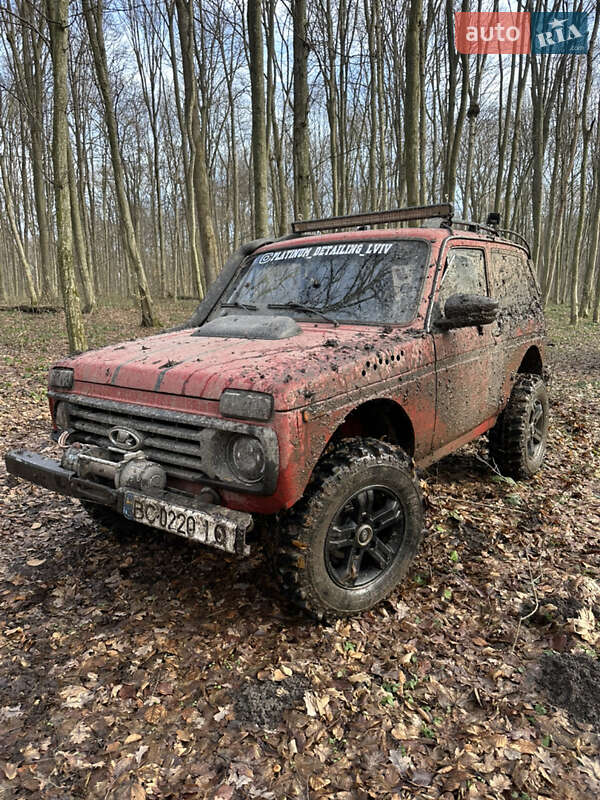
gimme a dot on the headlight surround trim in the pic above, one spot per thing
(242, 404)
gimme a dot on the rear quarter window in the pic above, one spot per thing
(513, 283)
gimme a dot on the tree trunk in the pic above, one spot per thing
(508, 189)
(9, 208)
(93, 20)
(187, 145)
(278, 154)
(587, 133)
(370, 21)
(89, 294)
(412, 104)
(301, 154)
(32, 76)
(58, 23)
(259, 122)
(588, 287)
(596, 309)
(195, 134)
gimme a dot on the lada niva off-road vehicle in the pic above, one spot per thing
(319, 370)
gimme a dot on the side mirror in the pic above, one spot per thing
(467, 310)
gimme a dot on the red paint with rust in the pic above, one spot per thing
(324, 380)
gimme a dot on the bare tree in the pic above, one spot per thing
(9, 207)
(259, 123)
(301, 153)
(196, 141)
(412, 103)
(58, 25)
(93, 19)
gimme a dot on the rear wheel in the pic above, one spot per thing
(350, 540)
(519, 438)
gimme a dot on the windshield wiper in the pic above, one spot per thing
(301, 307)
(235, 304)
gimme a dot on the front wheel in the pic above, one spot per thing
(350, 540)
(518, 439)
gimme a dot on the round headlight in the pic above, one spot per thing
(61, 416)
(247, 458)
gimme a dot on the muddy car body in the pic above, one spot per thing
(242, 412)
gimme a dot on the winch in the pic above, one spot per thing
(134, 471)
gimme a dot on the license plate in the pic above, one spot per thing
(197, 525)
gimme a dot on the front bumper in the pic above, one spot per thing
(213, 525)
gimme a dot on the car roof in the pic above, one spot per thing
(434, 235)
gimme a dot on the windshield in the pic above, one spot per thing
(364, 281)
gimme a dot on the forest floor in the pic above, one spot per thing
(149, 667)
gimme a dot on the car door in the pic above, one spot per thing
(464, 356)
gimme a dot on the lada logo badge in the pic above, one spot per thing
(125, 439)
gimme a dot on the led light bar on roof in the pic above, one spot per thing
(444, 210)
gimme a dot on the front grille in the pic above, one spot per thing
(175, 444)
(190, 446)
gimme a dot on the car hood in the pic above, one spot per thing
(317, 363)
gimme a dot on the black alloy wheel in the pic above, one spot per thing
(537, 429)
(365, 537)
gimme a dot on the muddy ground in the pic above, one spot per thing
(146, 667)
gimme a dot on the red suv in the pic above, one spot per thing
(318, 372)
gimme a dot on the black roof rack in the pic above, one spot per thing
(443, 211)
(440, 210)
(494, 231)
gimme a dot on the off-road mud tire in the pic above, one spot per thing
(301, 563)
(117, 524)
(508, 439)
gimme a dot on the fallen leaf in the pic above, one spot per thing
(155, 714)
(500, 783)
(402, 762)
(585, 624)
(224, 792)
(399, 731)
(75, 696)
(140, 753)
(421, 777)
(317, 782)
(221, 713)
(310, 702)
(137, 792)
(524, 746)
(80, 733)
(591, 767)
(359, 677)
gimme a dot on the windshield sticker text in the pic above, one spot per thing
(357, 249)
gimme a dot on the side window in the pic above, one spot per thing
(513, 282)
(464, 274)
